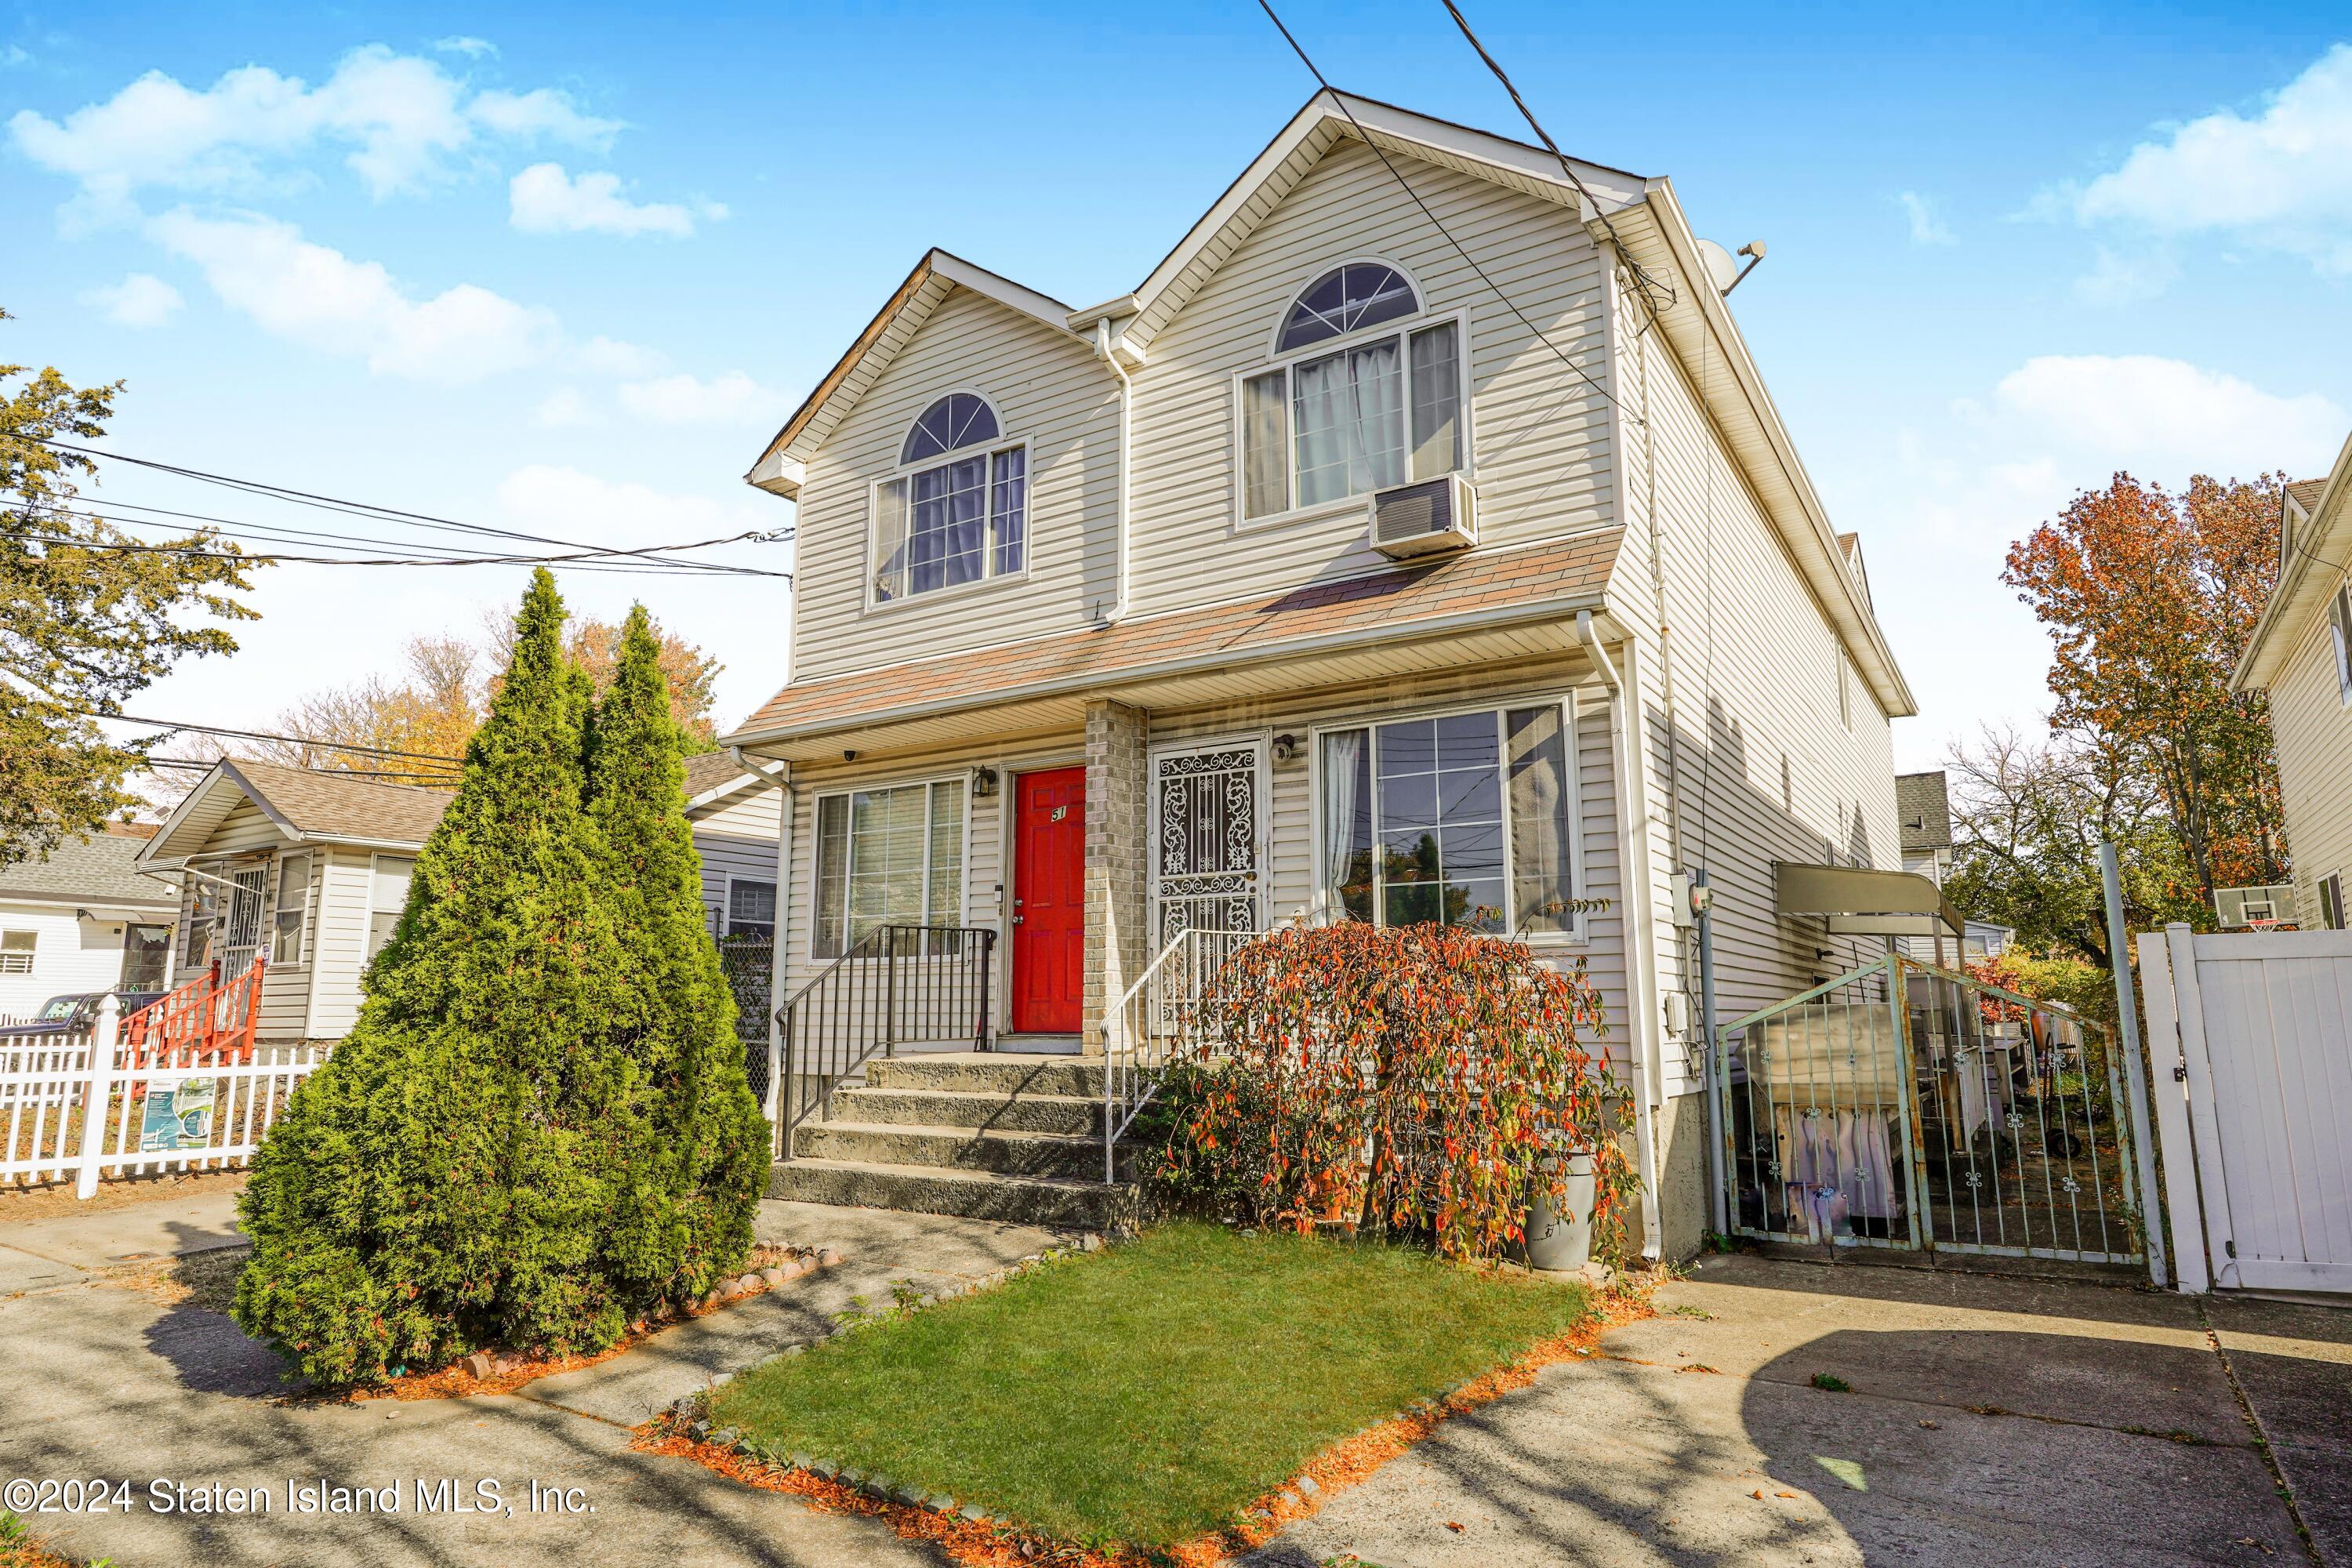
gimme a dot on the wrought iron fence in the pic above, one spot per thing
(897, 986)
(1903, 1106)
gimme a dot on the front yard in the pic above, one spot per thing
(1146, 1394)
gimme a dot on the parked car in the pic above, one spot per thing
(74, 1010)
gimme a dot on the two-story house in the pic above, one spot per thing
(1417, 541)
(2300, 653)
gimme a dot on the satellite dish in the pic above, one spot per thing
(1719, 265)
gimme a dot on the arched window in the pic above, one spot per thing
(959, 420)
(957, 510)
(1345, 299)
(1384, 409)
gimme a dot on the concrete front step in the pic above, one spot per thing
(973, 1073)
(1056, 1203)
(1069, 1116)
(958, 1148)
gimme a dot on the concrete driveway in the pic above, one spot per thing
(1983, 1421)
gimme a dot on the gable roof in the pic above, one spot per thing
(100, 870)
(936, 275)
(2309, 574)
(306, 805)
(1923, 810)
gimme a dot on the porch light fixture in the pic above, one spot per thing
(983, 782)
(1285, 748)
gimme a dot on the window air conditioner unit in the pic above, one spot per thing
(1422, 518)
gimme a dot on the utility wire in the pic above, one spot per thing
(584, 561)
(369, 509)
(268, 735)
(418, 778)
(1381, 153)
(1640, 274)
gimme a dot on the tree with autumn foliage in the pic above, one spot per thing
(2149, 597)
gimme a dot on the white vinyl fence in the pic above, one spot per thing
(2250, 1046)
(175, 1109)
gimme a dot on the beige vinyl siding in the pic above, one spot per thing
(339, 926)
(1046, 386)
(736, 838)
(1540, 439)
(247, 837)
(1750, 761)
(2312, 730)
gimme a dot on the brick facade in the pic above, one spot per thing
(1117, 843)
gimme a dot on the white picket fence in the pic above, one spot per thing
(178, 1110)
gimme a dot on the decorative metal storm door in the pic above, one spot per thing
(1206, 848)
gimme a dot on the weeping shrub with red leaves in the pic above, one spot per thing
(1417, 1079)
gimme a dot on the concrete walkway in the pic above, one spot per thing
(36, 1255)
(106, 1381)
(1987, 1420)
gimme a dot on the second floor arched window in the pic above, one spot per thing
(957, 510)
(1367, 394)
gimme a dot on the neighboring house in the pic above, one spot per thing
(2301, 655)
(310, 870)
(1099, 631)
(82, 919)
(1923, 810)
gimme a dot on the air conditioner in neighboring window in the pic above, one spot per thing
(1422, 518)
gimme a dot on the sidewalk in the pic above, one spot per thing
(41, 1254)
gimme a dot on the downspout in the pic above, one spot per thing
(782, 777)
(1641, 957)
(1109, 353)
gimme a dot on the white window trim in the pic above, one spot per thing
(310, 903)
(989, 577)
(1276, 354)
(1396, 327)
(2338, 601)
(367, 926)
(32, 955)
(727, 904)
(1579, 933)
(817, 852)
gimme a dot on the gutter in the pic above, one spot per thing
(1108, 351)
(1640, 952)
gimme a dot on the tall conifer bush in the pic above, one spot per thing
(482, 1160)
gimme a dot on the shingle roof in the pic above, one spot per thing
(2306, 492)
(1397, 603)
(1923, 810)
(99, 870)
(709, 770)
(337, 805)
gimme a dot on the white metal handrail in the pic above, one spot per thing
(1157, 1016)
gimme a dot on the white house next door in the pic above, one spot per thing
(1208, 840)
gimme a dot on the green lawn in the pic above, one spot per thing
(1143, 1393)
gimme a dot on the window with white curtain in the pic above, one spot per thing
(1328, 424)
(887, 857)
(2340, 633)
(288, 924)
(1458, 819)
(957, 511)
(388, 898)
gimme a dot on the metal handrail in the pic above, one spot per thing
(896, 985)
(1152, 1019)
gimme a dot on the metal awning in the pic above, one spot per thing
(1864, 902)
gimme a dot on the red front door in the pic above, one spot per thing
(1049, 900)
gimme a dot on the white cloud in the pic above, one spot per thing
(15, 55)
(563, 410)
(565, 503)
(1926, 228)
(545, 200)
(403, 117)
(2281, 180)
(609, 356)
(310, 294)
(730, 399)
(2118, 279)
(472, 48)
(2165, 414)
(140, 299)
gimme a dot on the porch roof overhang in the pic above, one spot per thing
(1476, 607)
(1862, 902)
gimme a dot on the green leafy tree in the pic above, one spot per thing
(93, 617)
(697, 1184)
(478, 1161)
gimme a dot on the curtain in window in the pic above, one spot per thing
(890, 541)
(387, 897)
(1538, 750)
(832, 874)
(1437, 404)
(1350, 411)
(2339, 625)
(945, 542)
(944, 900)
(1008, 506)
(293, 910)
(1347, 826)
(1265, 456)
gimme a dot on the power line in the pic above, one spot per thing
(369, 509)
(584, 561)
(419, 779)
(266, 735)
(1640, 274)
(1381, 153)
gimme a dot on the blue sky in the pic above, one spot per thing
(564, 270)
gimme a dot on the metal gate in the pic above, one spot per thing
(1907, 1107)
(1206, 841)
(2251, 1035)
